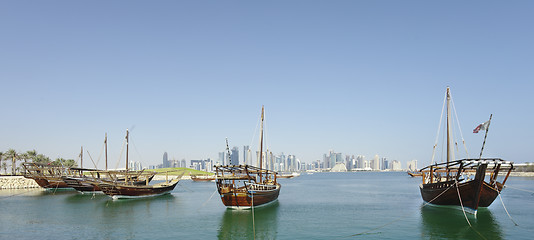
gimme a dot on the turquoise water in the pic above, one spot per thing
(358, 205)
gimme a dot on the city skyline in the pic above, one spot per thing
(358, 77)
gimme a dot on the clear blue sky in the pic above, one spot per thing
(357, 77)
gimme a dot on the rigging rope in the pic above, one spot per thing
(439, 128)
(120, 155)
(459, 128)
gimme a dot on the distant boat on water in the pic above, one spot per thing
(202, 178)
(245, 186)
(451, 183)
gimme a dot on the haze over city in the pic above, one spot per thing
(357, 77)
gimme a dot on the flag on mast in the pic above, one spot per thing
(482, 126)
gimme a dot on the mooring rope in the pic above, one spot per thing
(207, 200)
(253, 224)
(429, 202)
(461, 203)
(507, 210)
(524, 190)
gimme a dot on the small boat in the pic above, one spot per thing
(117, 188)
(462, 183)
(46, 175)
(120, 190)
(246, 186)
(84, 180)
(202, 178)
(288, 175)
(85, 183)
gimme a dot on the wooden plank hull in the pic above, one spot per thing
(241, 198)
(81, 185)
(447, 194)
(471, 194)
(117, 190)
(50, 182)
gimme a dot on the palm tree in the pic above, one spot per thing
(13, 155)
(1, 156)
(32, 154)
(40, 158)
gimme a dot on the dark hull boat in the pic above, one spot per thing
(47, 176)
(245, 186)
(462, 192)
(122, 190)
(466, 183)
(86, 183)
(131, 184)
(238, 188)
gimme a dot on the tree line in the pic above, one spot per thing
(11, 157)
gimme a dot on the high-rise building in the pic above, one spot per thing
(396, 165)
(383, 163)
(234, 156)
(375, 163)
(412, 165)
(221, 160)
(246, 154)
(165, 160)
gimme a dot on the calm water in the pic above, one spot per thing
(320, 206)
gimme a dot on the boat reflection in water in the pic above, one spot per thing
(442, 223)
(238, 224)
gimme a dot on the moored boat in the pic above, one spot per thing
(246, 186)
(46, 175)
(202, 178)
(130, 186)
(463, 183)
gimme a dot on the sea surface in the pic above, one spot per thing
(360, 205)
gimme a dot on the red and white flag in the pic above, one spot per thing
(482, 126)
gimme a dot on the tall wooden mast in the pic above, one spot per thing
(81, 157)
(448, 126)
(127, 150)
(261, 141)
(106, 144)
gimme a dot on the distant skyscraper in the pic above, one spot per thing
(375, 163)
(234, 156)
(165, 160)
(221, 160)
(412, 165)
(396, 165)
(246, 155)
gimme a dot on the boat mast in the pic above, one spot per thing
(127, 149)
(81, 157)
(448, 126)
(106, 144)
(261, 141)
(485, 136)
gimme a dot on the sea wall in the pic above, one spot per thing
(17, 182)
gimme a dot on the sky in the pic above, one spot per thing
(356, 77)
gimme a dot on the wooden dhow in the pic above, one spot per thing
(245, 186)
(466, 183)
(47, 175)
(117, 188)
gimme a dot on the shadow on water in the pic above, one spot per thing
(238, 224)
(443, 223)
